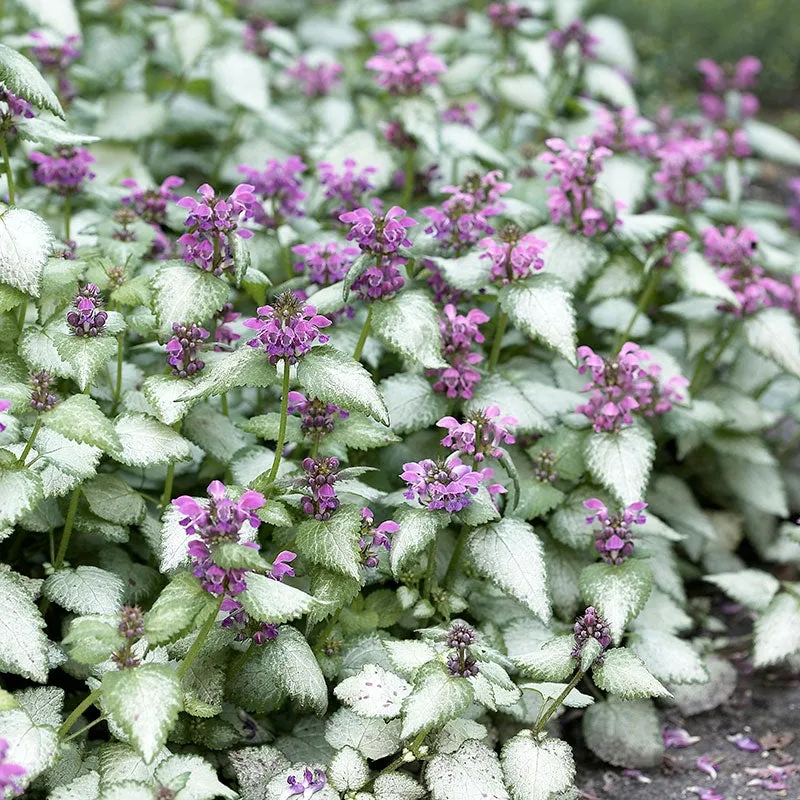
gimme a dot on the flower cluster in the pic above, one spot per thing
(380, 282)
(315, 81)
(182, 349)
(482, 434)
(42, 399)
(12, 109)
(151, 204)
(64, 172)
(287, 329)
(396, 135)
(623, 385)
(308, 784)
(10, 773)
(447, 485)
(544, 467)
(4, 406)
(624, 131)
(372, 539)
(210, 221)
(280, 189)
(89, 319)
(379, 234)
(675, 244)
(254, 41)
(131, 627)
(404, 70)
(507, 16)
(459, 332)
(316, 416)
(321, 474)
(224, 334)
(614, 540)
(460, 114)
(718, 85)
(514, 256)
(572, 201)
(346, 188)
(324, 263)
(590, 625)
(461, 664)
(56, 59)
(464, 217)
(574, 32)
(683, 162)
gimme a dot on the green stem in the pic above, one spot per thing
(118, 385)
(9, 171)
(31, 438)
(430, 572)
(70, 521)
(499, 330)
(701, 374)
(67, 216)
(224, 402)
(23, 312)
(286, 258)
(197, 644)
(644, 301)
(364, 334)
(282, 427)
(408, 184)
(87, 701)
(239, 662)
(166, 495)
(452, 567)
(314, 448)
(557, 702)
(84, 729)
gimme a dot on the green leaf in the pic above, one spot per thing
(470, 773)
(777, 630)
(165, 393)
(511, 555)
(418, 528)
(92, 639)
(772, 143)
(542, 308)
(112, 499)
(267, 426)
(145, 442)
(626, 178)
(291, 663)
(182, 607)
(374, 692)
(23, 645)
(553, 661)
(332, 591)
(79, 418)
(568, 256)
(621, 277)
(621, 461)
(697, 698)
(617, 592)
(607, 83)
(537, 770)
(496, 390)
(22, 78)
(183, 293)
(625, 734)
(753, 588)
(332, 544)
(52, 133)
(335, 377)
(130, 117)
(667, 657)
(86, 355)
(523, 92)
(761, 485)
(20, 491)
(213, 433)
(437, 698)
(144, 702)
(359, 432)
(644, 228)
(232, 555)
(773, 333)
(623, 674)
(697, 276)
(411, 402)
(85, 590)
(25, 244)
(240, 77)
(202, 783)
(33, 747)
(551, 691)
(247, 366)
(268, 600)
(470, 273)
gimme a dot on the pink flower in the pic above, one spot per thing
(625, 131)
(404, 70)
(574, 32)
(507, 16)
(9, 772)
(316, 81)
(743, 742)
(460, 114)
(324, 263)
(65, 172)
(481, 435)
(280, 566)
(279, 187)
(348, 187)
(4, 406)
(447, 485)
(514, 256)
(678, 738)
(614, 540)
(683, 162)
(316, 417)
(379, 234)
(705, 764)
(372, 538)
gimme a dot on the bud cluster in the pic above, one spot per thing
(321, 474)
(131, 627)
(88, 320)
(42, 399)
(590, 625)
(460, 664)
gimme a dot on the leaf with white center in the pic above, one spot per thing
(85, 590)
(773, 333)
(697, 276)
(777, 630)
(668, 658)
(202, 783)
(144, 702)
(551, 691)
(247, 366)
(21, 77)
(43, 704)
(607, 83)
(348, 770)
(359, 432)
(408, 656)
(267, 426)
(182, 607)
(408, 325)
(146, 442)
(568, 256)
(240, 77)
(617, 592)
(84, 787)
(32, 747)
(79, 418)
(470, 773)
(411, 402)
(25, 244)
(372, 737)
(92, 639)
(214, 433)
(374, 692)
(697, 698)
(126, 790)
(523, 92)
(363, 145)
(163, 393)
(418, 528)
(626, 179)
(130, 117)
(253, 766)
(185, 294)
(437, 697)
(552, 661)
(337, 378)
(72, 458)
(644, 228)
(537, 770)
(496, 390)
(23, 645)
(52, 133)
(624, 674)
(671, 498)
(112, 499)
(542, 308)
(470, 273)
(332, 543)
(760, 485)
(753, 588)
(85, 355)
(615, 314)
(624, 733)
(621, 276)
(268, 600)
(511, 555)
(20, 491)
(772, 143)
(398, 786)
(621, 461)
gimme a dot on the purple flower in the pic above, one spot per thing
(772, 777)
(372, 539)
(443, 292)
(682, 163)
(56, 59)
(706, 794)
(253, 39)
(324, 263)
(460, 114)
(730, 145)
(404, 70)
(460, 331)
(675, 243)
(287, 329)
(624, 131)
(88, 320)
(183, 347)
(707, 765)
(379, 234)
(719, 86)
(42, 399)
(4, 406)
(9, 772)
(131, 627)
(316, 417)
(481, 435)
(381, 282)
(309, 784)
(398, 137)
(637, 775)
(743, 742)
(280, 566)
(574, 32)
(507, 16)
(151, 204)
(590, 625)
(12, 110)
(65, 171)
(447, 485)
(348, 187)
(678, 737)
(514, 256)
(279, 187)
(321, 474)
(614, 540)
(461, 664)
(224, 335)
(315, 81)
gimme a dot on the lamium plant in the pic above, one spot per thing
(372, 390)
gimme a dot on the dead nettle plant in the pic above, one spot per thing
(370, 387)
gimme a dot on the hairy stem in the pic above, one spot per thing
(87, 701)
(364, 334)
(703, 370)
(452, 567)
(23, 312)
(197, 644)
(29, 444)
(9, 171)
(224, 403)
(84, 729)
(497, 343)
(70, 521)
(282, 427)
(557, 702)
(641, 306)
(430, 572)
